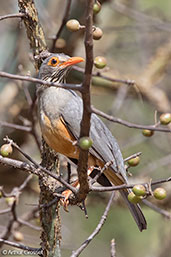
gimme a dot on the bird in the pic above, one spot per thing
(60, 112)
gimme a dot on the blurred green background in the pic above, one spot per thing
(136, 43)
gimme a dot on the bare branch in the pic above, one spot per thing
(97, 229)
(39, 81)
(112, 248)
(85, 122)
(99, 74)
(128, 124)
(125, 186)
(132, 156)
(64, 20)
(21, 246)
(35, 168)
(15, 126)
(15, 15)
(165, 213)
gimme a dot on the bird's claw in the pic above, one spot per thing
(65, 201)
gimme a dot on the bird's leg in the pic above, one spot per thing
(67, 193)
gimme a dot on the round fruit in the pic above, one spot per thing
(85, 143)
(73, 25)
(139, 190)
(147, 132)
(97, 33)
(100, 62)
(160, 193)
(18, 236)
(60, 43)
(6, 149)
(133, 198)
(165, 118)
(96, 7)
(134, 161)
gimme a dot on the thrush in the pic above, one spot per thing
(60, 113)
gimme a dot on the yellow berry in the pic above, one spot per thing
(6, 149)
(97, 33)
(85, 143)
(160, 193)
(73, 25)
(147, 132)
(134, 161)
(139, 190)
(18, 236)
(165, 118)
(100, 62)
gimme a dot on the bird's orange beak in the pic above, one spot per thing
(72, 61)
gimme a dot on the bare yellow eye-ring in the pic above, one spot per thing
(53, 61)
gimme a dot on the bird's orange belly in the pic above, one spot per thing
(58, 138)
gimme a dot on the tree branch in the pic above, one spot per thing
(85, 123)
(96, 231)
(15, 15)
(64, 20)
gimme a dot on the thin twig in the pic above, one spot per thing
(77, 87)
(99, 74)
(15, 15)
(20, 246)
(125, 186)
(96, 231)
(128, 124)
(15, 126)
(64, 20)
(25, 223)
(112, 248)
(31, 168)
(165, 213)
(132, 156)
(106, 166)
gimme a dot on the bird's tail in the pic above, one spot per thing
(135, 211)
(134, 208)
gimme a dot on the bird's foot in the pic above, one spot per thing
(65, 201)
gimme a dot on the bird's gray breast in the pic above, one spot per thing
(52, 101)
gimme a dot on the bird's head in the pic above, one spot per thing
(55, 67)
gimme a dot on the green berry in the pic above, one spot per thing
(18, 236)
(85, 143)
(6, 149)
(165, 118)
(160, 193)
(97, 33)
(0, 194)
(73, 25)
(96, 7)
(139, 190)
(147, 132)
(134, 161)
(133, 198)
(100, 62)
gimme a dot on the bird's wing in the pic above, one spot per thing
(105, 146)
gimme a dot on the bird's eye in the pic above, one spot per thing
(53, 61)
